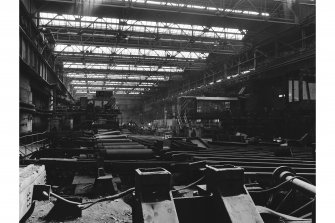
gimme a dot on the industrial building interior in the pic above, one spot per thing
(167, 111)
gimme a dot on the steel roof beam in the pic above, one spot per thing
(220, 47)
(139, 95)
(119, 72)
(112, 28)
(112, 58)
(76, 32)
(119, 86)
(113, 79)
(223, 47)
(213, 11)
(78, 57)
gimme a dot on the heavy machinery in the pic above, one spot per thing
(230, 181)
(203, 116)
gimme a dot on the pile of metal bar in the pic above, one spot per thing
(255, 159)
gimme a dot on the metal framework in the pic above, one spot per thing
(93, 43)
(121, 81)
(121, 67)
(74, 73)
(90, 44)
(257, 10)
(86, 30)
(127, 79)
(130, 56)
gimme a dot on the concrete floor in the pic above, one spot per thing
(116, 211)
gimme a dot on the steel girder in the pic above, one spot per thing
(171, 75)
(115, 88)
(227, 10)
(117, 91)
(276, 10)
(135, 96)
(130, 60)
(92, 33)
(118, 86)
(218, 46)
(143, 34)
(125, 80)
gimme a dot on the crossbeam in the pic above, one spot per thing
(120, 86)
(79, 57)
(219, 47)
(122, 67)
(116, 79)
(143, 34)
(229, 11)
(80, 70)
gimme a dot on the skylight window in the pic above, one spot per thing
(134, 26)
(197, 7)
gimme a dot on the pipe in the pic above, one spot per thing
(284, 173)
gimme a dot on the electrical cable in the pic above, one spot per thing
(190, 185)
(113, 197)
(81, 205)
(62, 198)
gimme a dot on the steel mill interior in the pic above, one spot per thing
(174, 111)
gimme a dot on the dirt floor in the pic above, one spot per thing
(107, 211)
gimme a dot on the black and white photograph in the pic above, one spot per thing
(166, 111)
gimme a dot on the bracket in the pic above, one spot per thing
(227, 185)
(154, 202)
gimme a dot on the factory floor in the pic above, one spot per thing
(116, 211)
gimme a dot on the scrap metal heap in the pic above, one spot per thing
(232, 181)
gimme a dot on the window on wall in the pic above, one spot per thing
(41, 69)
(290, 91)
(24, 50)
(44, 72)
(306, 88)
(311, 87)
(295, 90)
